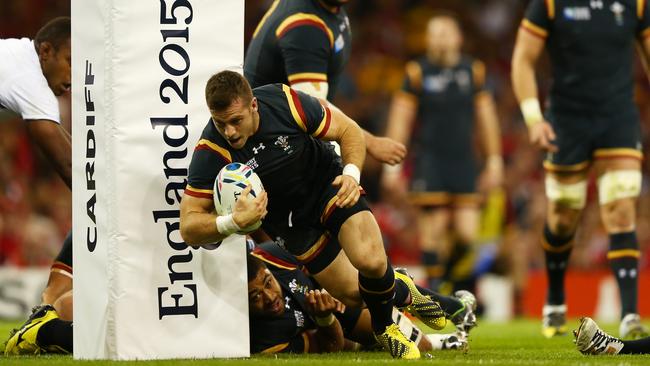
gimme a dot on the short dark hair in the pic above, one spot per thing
(225, 87)
(56, 32)
(255, 265)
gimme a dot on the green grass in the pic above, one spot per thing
(515, 343)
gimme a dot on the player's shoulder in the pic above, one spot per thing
(19, 61)
(211, 141)
(273, 95)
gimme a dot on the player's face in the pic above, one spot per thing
(238, 122)
(56, 65)
(443, 35)
(265, 295)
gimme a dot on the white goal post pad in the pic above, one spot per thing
(139, 72)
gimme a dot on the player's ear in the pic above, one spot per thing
(254, 104)
(45, 50)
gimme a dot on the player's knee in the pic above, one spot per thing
(571, 196)
(563, 225)
(619, 215)
(372, 265)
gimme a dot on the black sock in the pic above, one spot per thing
(379, 296)
(639, 346)
(434, 269)
(449, 304)
(56, 332)
(624, 261)
(402, 293)
(556, 251)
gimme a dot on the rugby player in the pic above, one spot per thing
(315, 207)
(32, 74)
(591, 125)
(307, 44)
(444, 91)
(287, 312)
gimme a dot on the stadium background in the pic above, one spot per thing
(35, 205)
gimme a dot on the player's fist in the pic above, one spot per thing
(348, 193)
(249, 211)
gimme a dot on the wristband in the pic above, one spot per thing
(324, 321)
(226, 225)
(392, 169)
(352, 171)
(495, 160)
(531, 111)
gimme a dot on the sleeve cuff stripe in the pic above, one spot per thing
(307, 76)
(198, 193)
(534, 29)
(324, 124)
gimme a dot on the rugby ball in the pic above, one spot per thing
(231, 181)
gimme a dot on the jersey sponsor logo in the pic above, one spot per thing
(252, 164)
(596, 4)
(259, 148)
(441, 82)
(280, 242)
(618, 9)
(339, 43)
(300, 318)
(283, 143)
(296, 287)
(577, 13)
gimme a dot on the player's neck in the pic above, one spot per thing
(334, 9)
(446, 59)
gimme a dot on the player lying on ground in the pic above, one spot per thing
(289, 312)
(591, 340)
(287, 315)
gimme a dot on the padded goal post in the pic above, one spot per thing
(139, 72)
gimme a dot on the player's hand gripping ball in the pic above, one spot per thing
(231, 181)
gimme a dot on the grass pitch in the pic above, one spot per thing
(515, 343)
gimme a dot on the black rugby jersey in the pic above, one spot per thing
(292, 163)
(591, 47)
(298, 41)
(445, 99)
(285, 333)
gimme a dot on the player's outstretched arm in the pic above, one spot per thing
(199, 224)
(55, 143)
(528, 49)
